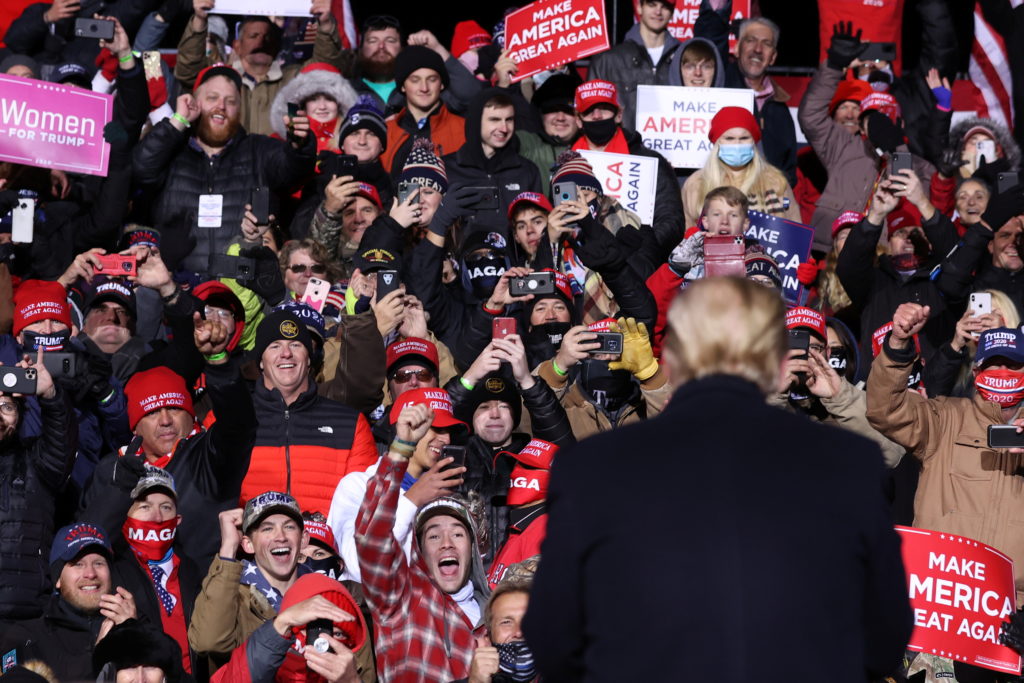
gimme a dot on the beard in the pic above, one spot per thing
(216, 137)
(376, 70)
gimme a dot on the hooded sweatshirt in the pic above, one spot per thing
(675, 77)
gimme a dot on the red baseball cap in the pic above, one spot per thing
(535, 198)
(538, 453)
(412, 347)
(882, 102)
(593, 93)
(370, 192)
(801, 317)
(844, 220)
(320, 533)
(437, 400)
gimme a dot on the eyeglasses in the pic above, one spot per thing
(222, 313)
(8, 408)
(315, 268)
(817, 348)
(403, 376)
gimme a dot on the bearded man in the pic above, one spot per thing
(202, 167)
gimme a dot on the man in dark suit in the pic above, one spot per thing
(741, 543)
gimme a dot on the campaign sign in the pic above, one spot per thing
(961, 591)
(550, 33)
(52, 125)
(277, 8)
(630, 179)
(674, 121)
(788, 242)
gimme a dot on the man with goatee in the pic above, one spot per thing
(203, 167)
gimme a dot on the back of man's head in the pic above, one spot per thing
(726, 325)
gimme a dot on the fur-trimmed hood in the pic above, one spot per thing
(1002, 136)
(304, 86)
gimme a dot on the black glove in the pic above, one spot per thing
(127, 471)
(597, 248)
(456, 204)
(989, 172)
(949, 162)
(115, 134)
(1002, 207)
(8, 200)
(1012, 633)
(882, 132)
(92, 383)
(845, 46)
(266, 281)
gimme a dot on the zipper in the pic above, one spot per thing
(287, 455)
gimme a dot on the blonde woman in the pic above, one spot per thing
(735, 160)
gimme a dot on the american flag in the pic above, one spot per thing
(342, 12)
(990, 70)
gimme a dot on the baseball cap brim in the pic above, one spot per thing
(274, 510)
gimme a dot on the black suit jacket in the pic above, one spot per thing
(723, 540)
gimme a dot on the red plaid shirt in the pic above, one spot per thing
(422, 634)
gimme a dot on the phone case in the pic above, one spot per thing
(116, 265)
(316, 292)
(503, 327)
(23, 220)
(980, 305)
(723, 255)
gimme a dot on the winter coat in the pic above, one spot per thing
(628, 65)
(306, 447)
(226, 611)
(354, 363)
(964, 488)
(506, 170)
(852, 165)
(63, 638)
(462, 87)
(304, 86)
(256, 98)
(422, 634)
(675, 74)
(746, 579)
(970, 269)
(172, 159)
(32, 474)
(207, 467)
(446, 130)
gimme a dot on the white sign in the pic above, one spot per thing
(630, 179)
(674, 121)
(267, 8)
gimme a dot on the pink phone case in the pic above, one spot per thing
(315, 295)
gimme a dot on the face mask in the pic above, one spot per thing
(328, 566)
(49, 342)
(600, 132)
(484, 274)
(548, 333)
(152, 540)
(736, 155)
(906, 262)
(837, 359)
(527, 485)
(610, 389)
(516, 660)
(1002, 386)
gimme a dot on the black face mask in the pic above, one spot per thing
(550, 333)
(610, 389)
(838, 359)
(328, 566)
(600, 132)
(483, 275)
(50, 342)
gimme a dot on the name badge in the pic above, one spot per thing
(211, 209)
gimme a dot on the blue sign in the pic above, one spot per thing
(788, 242)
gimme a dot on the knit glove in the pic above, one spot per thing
(807, 273)
(8, 201)
(845, 46)
(989, 170)
(943, 98)
(107, 64)
(689, 253)
(637, 355)
(92, 383)
(1002, 207)
(883, 133)
(455, 205)
(127, 471)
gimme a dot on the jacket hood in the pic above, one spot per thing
(217, 293)
(1002, 136)
(676, 78)
(633, 35)
(472, 150)
(313, 584)
(304, 86)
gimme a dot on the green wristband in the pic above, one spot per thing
(558, 371)
(217, 356)
(127, 58)
(181, 119)
(466, 383)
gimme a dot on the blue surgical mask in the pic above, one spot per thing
(736, 155)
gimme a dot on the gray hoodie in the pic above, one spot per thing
(675, 77)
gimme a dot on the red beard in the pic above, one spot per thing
(216, 137)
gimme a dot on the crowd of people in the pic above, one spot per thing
(381, 337)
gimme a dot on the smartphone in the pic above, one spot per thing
(800, 339)
(100, 29)
(1006, 181)
(564, 192)
(985, 148)
(487, 198)
(611, 342)
(316, 292)
(293, 110)
(314, 632)
(900, 161)
(116, 265)
(503, 327)
(233, 267)
(15, 380)
(874, 52)
(387, 282)
(723, 256)
(23, 218)
(534, 283)
(981, 304)
(1004, 436)
(60, 363)
(339, 165)
(405, 189)
(456, 452)
(259, 199)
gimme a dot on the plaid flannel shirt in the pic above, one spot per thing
(422, 634)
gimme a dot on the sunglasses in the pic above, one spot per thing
(402, 376)
(315, 268)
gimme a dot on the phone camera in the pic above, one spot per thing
(321, 644)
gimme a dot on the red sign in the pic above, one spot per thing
(52, 125)
(961, 591)
(549, 33)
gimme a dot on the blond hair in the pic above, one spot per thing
(727, 325)
(754, 179)
(1004, 304)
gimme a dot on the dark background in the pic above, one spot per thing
(797, 18)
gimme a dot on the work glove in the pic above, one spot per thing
(637, 355)
(845, 46)
(455, 205)
(1012, 633)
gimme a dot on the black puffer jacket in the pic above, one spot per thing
(63, 638)
(172, 159)
(970, 269)
(506, 170)
(31, 476)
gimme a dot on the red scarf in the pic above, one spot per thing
(324, 133)
(164, 460)
(617, 145)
